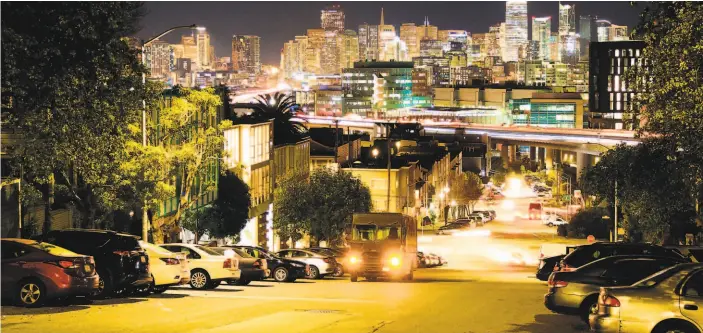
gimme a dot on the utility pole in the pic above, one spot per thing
(388, 152)
(615, 230)
(336, 143)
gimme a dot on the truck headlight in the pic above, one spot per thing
(354, 260)
(395, 261)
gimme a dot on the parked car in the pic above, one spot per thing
(320, 265)
(422, 260)
(554, 221)
(338, 254)
(122, 265)
(208, 268)
(576, 292)
(453, 227)
(167, 268)
(547, 266)
(587, 253)
(490, 214)
(667, 301)
(253, 269)
(281, 269)
(33, 272)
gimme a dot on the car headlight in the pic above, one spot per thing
(395, 261)
(354, 260)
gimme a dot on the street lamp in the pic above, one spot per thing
(145, 216)
(374, 152)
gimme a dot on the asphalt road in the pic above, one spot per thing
(486, 287)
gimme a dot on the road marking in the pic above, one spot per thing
(269, 298)
(280, 322)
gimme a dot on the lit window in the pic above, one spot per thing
(617, 82)
(617, 53)
(618, 125)
(637, 53)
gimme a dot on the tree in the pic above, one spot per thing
(466, 189)
(68, 83)
(281, 108)
(320, 207)
(653, 200)
(335, 197)
(670, 79)
(229, 213)
(589, 222)
(189, 135)
(290, 204)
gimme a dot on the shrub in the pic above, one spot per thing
(589, 222)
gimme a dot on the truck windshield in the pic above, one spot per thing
(375, 233)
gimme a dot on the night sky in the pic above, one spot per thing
(278, 22)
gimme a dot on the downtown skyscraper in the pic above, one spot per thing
(246, 54)
(515, 30)
(368, 42)
(541, 31)
(332, 18)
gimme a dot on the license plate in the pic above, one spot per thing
(87, 268)
(142, 259)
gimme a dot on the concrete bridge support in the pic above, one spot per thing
(582, 161)
(504, 154)
(548, 157)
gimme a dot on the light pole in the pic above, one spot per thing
(145, 216)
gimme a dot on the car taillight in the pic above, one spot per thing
(67, 264)
(327, 260)
(554, 283)
(170, 261)
(227, 263)
(610, 301)
(257, 263)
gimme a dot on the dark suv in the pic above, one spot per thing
(282, 269)
(588, 253)
(119, 260)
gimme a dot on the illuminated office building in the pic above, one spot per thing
(329, 61)
(246, 54)
(426, 31)
(541, 31)
(332, 18)
(567, 19)
(431, 48)
(386, 37)
(368, 42)
(313, 54)
(202, 39)
(408, 34)
(610, 95)
(515, 29)
(348, 49)
(159, 59)
(588, 32)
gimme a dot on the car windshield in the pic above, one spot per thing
(657, 277)
(53, 249)
(375, 233)
(241, 253)
(211, 251)
(151, 248)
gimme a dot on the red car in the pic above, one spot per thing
(33, 272)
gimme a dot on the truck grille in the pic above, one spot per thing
(372, 262)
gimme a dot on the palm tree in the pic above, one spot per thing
(281, 108)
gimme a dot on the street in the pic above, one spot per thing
(487, 286)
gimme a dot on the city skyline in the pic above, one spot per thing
(445, 15)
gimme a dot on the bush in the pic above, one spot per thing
(562, 230)
(589, 222)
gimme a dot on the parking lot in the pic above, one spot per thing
(482, 289)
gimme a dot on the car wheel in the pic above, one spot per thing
(159, 289)
(354, 277)
(214, 284)
(550, 224)
(199, 279)
(31, 293)
(104, 285)
(314, 273)
(589, 306)
(371, 278)
(675, 327)
(338, 271)
(408, 277)
(243, 282)
(280, 274)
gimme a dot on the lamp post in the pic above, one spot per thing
(145, 216)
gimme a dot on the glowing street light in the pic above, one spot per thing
(453, 202)
(446, 189)
(441, 195)
(397, 145)
(374, 152)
